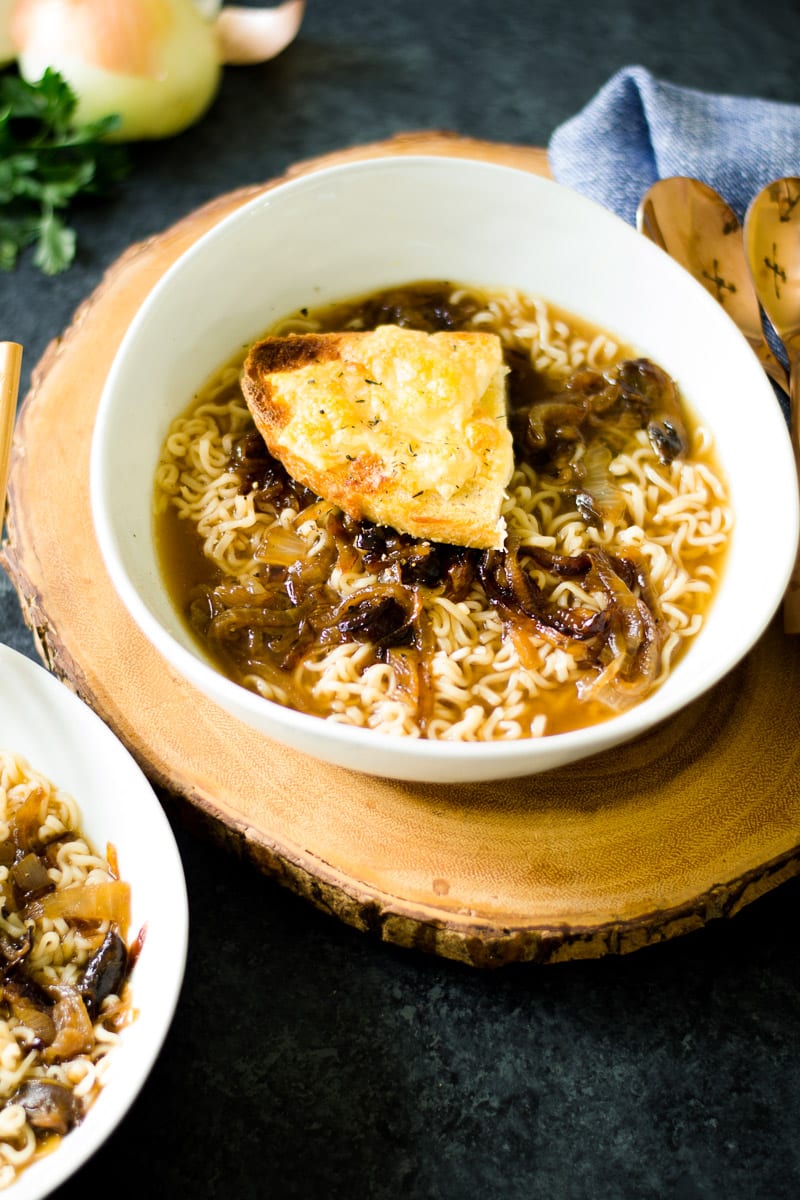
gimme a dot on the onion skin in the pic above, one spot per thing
(154, 63)
(8, 51)
(254, 35)
(157, 64)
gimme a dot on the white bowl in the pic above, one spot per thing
(347, 230)
(65, 741)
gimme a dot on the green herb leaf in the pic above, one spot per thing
(55, 246)
(47, 162)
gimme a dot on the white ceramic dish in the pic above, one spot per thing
(349, 229)
(65, 741)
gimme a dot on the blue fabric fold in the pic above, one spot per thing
(638, 129)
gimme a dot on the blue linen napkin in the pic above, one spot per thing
(638, 129)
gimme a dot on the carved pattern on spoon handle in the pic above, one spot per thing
(772, 241)
(698, 228)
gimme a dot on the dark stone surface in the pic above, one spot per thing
(307, 1060)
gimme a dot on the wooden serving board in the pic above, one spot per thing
(624, 850)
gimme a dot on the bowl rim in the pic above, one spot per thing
(659, 705)
(143, 1039)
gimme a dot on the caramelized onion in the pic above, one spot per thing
(412, 674)
(552, 421)
(282, 548)
(633, 642)
(24, 825)
(428, 310)
(414, 561)
(88, 902)
(622, 637)
(73, 1026)
(380, 613)
(515, 593)
(570, 435)
(282, 616)
(600, 498)
(31, 1008)
(593, 408)
(12, 951)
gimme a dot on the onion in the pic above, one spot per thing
(74, 1033)
(87, 902)
(386, 614)
(26, 821)
(606, 500)
(518, 597)
(8, 51)
(233, 620)
(251, 35)
(34, 1016)
(157, 64)
(13, 952)
(554, 420)
(281, 548)
(634, 641)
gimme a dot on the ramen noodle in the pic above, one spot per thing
(64, 963)
(617, 518)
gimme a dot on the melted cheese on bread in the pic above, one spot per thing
(395, 426)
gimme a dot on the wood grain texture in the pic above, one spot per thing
(627, 849)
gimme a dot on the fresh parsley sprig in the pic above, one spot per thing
(46, 162)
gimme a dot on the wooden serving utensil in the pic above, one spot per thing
(10, 364)
(772, 242)
(696, 227)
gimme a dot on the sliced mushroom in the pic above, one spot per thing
(50, 1107)
(654, 393)
(31, 878)
(104, 973)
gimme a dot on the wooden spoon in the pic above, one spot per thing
(701, 231)
(10, 364)
(772, 241)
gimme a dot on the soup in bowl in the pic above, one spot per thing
(437, 470)
(95, 929)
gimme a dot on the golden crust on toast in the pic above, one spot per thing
(395, 426)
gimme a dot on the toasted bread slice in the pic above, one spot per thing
(395, 426)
